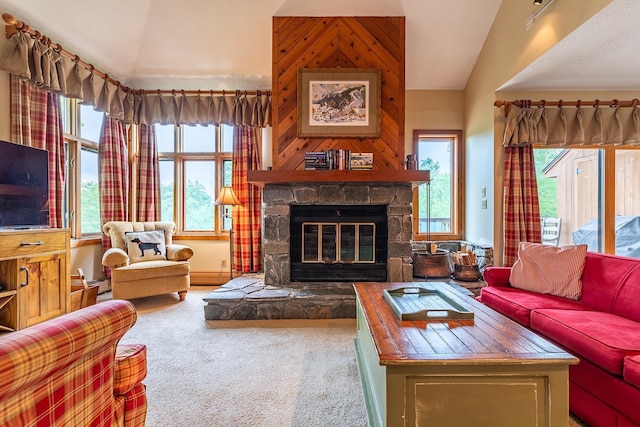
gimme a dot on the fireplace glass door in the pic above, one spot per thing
(331, 243)
(338, 243)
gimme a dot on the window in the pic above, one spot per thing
(195, 162)
(438, 206)
(82, 125)
(595, 194)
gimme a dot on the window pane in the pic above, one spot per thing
(227, 218)
(226, 182)
(89, 196)
(570, 188)
(165, 138)
(435, 212)
(66, 204)
(64, 112)
(628, 203)
(90, 123)
(227, 138)
(199, 139)
(227, 173)
(167, 196)
(199, 178)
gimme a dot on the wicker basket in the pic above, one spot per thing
(466, 273)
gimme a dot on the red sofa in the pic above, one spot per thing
(601, 328)
(71, 371)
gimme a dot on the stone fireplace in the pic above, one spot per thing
(362, 231)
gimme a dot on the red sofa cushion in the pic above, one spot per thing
(602, 277)
(631, 370)
(517, 304)
(627, 300)
(602, 338)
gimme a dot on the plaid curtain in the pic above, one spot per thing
(36, 121)
(246, 217)
(113, 176)
(521, 206)
(147, 176)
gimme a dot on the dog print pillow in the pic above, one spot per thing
(146, 245)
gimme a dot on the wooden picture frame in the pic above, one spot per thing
(339, 102)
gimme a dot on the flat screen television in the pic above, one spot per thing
(24, 187)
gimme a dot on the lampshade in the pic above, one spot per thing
(227, 197)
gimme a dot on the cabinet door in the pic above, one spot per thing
(41, 290)
(8, 301)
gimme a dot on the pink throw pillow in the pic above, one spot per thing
(549, 269)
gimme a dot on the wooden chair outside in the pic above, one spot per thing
(551, 231)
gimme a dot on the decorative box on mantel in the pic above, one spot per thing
(339, 191)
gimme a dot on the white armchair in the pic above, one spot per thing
(144, 261)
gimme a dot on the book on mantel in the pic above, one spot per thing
(315, 160)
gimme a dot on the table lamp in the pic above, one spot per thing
(227, 198)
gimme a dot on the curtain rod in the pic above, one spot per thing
(15, 25)
(527, 103)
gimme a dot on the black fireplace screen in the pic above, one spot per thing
(338, 243)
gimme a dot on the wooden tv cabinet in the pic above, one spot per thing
(485, 371)
(35, 276)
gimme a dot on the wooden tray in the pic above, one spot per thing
(417, 303)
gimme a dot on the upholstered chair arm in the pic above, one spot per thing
(115, 257)
(179, 252)
(497, 276)
(131, 367)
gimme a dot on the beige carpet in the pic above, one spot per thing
(298, 373)
(245, 373)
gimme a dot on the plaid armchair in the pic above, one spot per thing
(70, 371)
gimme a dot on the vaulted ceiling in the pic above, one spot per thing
(226, 44)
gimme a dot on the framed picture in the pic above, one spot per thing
(339, 102)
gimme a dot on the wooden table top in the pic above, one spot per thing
(490, 338)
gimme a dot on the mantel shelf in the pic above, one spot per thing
(390, 176)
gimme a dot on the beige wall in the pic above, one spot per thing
(432, 109)
(508, 49)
